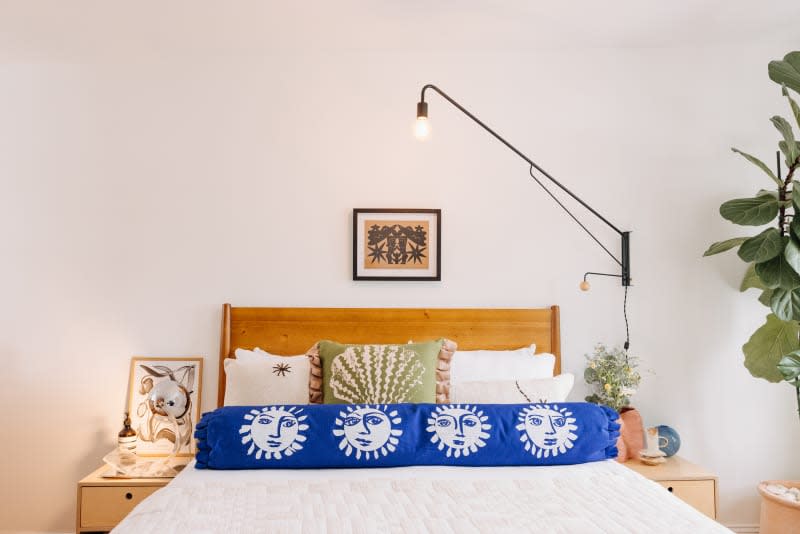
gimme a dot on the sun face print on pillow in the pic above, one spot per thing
(367, 431)
(547, 429)
(459, 430)
(274, 432)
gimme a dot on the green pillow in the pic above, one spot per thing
(379, 374)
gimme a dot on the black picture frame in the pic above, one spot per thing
(412, 249)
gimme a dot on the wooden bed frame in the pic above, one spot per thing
(291, 331)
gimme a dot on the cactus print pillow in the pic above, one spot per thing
(385, 374)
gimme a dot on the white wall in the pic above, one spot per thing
(159, 160)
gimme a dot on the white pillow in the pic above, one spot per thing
(252, 355)
(520, 364)
(256, 378)
(553, 389)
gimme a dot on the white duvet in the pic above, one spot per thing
(603, 497)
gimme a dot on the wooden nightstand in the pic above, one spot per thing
(689, 482)
(104, 502)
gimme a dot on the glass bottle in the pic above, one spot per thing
(126, 439)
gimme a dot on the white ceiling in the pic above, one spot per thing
(315, 25)
(630, 23)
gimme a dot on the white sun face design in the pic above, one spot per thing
(547, 429)
(367, 431)
(274, 432)
(462, 430)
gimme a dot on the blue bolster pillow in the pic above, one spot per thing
(389, 435)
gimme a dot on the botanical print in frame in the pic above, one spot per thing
(397, 244)
(155, 432)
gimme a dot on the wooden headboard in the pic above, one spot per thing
(291, 331)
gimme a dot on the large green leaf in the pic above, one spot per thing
(786, 72)
(751, 279)
(782, 145)
(794, 226)
(792, 254)
(760, 164)
(762, 247)
(722, 246)
(766, 192)
(789, 147)
(777, 273)
(766, 297)
(785, 304)
(789, 367)
(793, 105)
(796, 192)
(767, 345)
(750, 211)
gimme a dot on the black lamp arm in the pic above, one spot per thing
(422, 111)
(586, 275)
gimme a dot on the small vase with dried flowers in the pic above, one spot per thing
(613, 375)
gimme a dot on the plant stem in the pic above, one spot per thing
(782, 194)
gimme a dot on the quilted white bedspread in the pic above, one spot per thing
(603, 497)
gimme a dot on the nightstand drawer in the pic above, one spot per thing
(107, 506)
(697, 493)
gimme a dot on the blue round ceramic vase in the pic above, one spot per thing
(668, 440)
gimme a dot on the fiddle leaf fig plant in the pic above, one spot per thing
(786, 72)
(773, 255)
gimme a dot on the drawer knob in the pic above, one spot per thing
(669, 489)
(129, 495)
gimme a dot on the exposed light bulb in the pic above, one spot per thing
(585, 286)
(422, 129)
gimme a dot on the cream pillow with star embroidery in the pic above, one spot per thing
(256, 378)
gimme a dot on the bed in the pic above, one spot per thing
(600, 496)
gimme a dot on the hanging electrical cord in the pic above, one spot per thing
(625, 315)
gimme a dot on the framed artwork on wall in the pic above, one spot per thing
(397, 244)
(164, 403)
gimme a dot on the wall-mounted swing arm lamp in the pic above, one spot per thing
(422, 130)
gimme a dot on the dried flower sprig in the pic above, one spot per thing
(613, 375)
